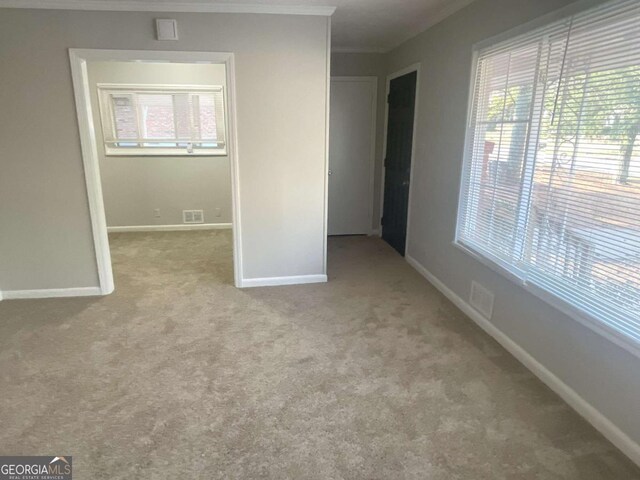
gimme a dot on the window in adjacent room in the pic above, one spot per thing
(551, 183)
(162, 120)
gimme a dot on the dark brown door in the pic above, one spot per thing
(401, 99)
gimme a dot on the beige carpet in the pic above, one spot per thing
(371, 376)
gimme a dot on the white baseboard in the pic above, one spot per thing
(170, 228)
(275, 281)
(605, 426)
(51, 293)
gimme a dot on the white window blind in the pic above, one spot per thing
(551, 184)
(156, 120)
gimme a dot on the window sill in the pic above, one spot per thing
(585, 318)
(494, 265)
(164, 153)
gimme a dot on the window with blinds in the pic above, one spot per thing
(157, 120)
(551, 183)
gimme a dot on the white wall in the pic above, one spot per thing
(133, 187)
(281, 79)
(602, 373)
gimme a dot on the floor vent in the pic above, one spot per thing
(481, 299)
(193, 216)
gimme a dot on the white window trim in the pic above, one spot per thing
(509, 272)
(111, 151)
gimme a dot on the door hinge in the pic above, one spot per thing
(388, 98)
(381, 221)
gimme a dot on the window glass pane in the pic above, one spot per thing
(503, 110)
(148, 117)
(183, 115)
(551, 185)
(126, 124)
(585, 222)
(156, 111)
(207, 106)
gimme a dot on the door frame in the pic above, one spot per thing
(78, 58)
(399, 73)
(372, 155)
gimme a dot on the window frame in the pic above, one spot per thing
(107, 123)
(504, 269)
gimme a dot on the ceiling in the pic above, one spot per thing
(357, 25)
(374, 25)
(384, 24)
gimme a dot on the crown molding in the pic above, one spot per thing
(201, 6)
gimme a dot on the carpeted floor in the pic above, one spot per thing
(372, 376)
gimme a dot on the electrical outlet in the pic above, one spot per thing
(156, 213)
(218, 212)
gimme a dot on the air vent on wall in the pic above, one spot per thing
(166, 29)
(193, 216)
(481, 299)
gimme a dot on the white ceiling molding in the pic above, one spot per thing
(169, 6)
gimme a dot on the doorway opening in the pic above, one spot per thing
(399, 153)
(158, 141)
(352, 155)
